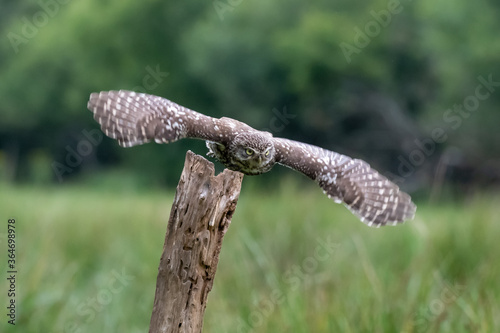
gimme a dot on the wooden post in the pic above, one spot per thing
(200, 216)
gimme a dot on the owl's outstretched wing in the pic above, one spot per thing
(135, 118)
(370, 196)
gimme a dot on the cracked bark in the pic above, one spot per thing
(199, 218)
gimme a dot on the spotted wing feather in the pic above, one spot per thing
(370, 196)
(135, 118)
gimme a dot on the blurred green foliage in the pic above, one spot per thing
(413, 61)
(308, 267)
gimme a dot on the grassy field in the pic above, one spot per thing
(292, 261)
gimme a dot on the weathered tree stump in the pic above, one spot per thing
(200, 216)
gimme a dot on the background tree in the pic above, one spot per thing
(413, 62)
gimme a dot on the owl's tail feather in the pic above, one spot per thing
(135, 118)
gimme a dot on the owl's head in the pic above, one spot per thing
(253, 152)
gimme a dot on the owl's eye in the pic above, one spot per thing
(249, 152)
(267, 153)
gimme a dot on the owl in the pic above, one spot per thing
(136, 118)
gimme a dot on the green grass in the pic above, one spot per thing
(438, 273)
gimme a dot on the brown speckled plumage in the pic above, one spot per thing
(136, 118)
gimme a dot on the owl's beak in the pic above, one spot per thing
(260, 159)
